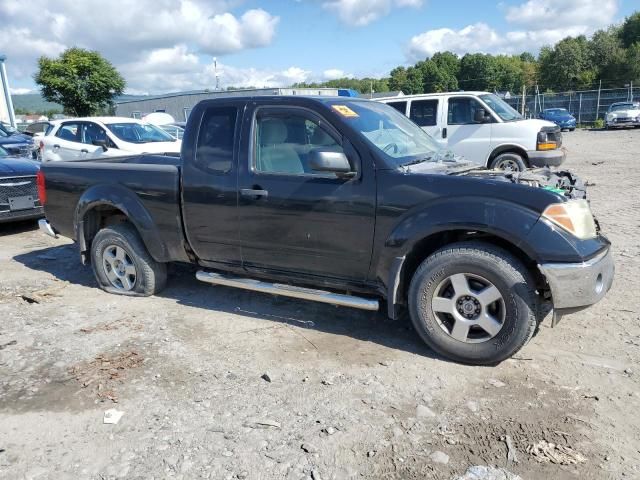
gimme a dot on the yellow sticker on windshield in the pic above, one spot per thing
(344, 111)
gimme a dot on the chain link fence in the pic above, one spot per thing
(587, 105)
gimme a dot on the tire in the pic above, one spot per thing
(509, 161)
(122, 264)
(513, 316)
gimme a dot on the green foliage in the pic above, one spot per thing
(82, 81)
(568, 66)
(630, 31)
(599, 123)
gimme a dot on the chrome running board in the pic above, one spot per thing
(288, 291)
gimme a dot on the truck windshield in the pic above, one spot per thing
(505, 111)
(395, 136)
(139, 132)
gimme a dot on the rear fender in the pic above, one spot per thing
(129, 204)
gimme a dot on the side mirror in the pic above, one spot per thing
(481, 116)
(330, 161)
(101, 143)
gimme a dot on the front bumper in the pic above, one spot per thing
(576, 285)
(546, 158)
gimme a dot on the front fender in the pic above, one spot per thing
(511, 222)
(129, 204)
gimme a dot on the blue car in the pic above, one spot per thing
(561, 117)
(18, 188)
(14, 142)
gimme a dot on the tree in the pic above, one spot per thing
(633, 62)
(476, 71)
(82, 81)
(398, 79)
(608, 54)
(630, 31)
(415, 80)
(568, 65)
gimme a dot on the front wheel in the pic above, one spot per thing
(122, 264)
(473, 303)
(509, 162)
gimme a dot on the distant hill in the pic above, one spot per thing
(34, 103)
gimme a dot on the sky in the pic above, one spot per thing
(170, 45)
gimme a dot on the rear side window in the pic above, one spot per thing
(400, 106)
(424, 112)
(214, 150)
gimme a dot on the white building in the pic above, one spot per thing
(6, 105)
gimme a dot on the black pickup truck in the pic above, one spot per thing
(342, 201)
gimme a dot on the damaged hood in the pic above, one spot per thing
(561, 181)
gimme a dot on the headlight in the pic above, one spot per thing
(573, 216)
(548, 139)
(611, 116)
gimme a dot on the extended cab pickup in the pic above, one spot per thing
(342, 201)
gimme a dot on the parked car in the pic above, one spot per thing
(18, 190)
(342, 201)
(14, 142)
(96, 137)
(623, 114)
(176, 130)
(36, 131)
(561, 117)
(484, 129)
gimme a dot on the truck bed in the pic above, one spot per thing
(142, 182)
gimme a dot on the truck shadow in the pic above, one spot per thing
(184, 289)
(17, 227)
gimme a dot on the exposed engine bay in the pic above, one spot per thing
(563, 182)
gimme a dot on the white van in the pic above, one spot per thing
(484, 129)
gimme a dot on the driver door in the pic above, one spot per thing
(292, 218)
(465, 135)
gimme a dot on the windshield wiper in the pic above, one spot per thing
(417, 161)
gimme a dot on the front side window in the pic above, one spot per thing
(69, 132)
(92, 132)
(424, 112)
(139, 132)
(284, 142)
(501, 108)
(214, 150)
(462, 111)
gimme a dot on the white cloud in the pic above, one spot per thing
(202, 77)
(358, 13)
(334, 74)
(544, 22)
(552, 14)
(20, 91)
(140, 37)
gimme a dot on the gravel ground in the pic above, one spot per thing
(346, 394)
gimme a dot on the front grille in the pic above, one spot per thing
(623, 119)
(17, 187)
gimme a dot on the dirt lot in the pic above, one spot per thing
(350, 395)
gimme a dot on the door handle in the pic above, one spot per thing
(56, 146)
(84, 150)
(250, 192)
(444, 132)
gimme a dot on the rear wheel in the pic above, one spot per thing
(122, 264)
(473, 303)
(509, 162)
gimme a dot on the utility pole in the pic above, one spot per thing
(598, 104)
(524, 98)
(631, 91)
(215, 72)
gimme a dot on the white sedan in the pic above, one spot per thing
(99, 137)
